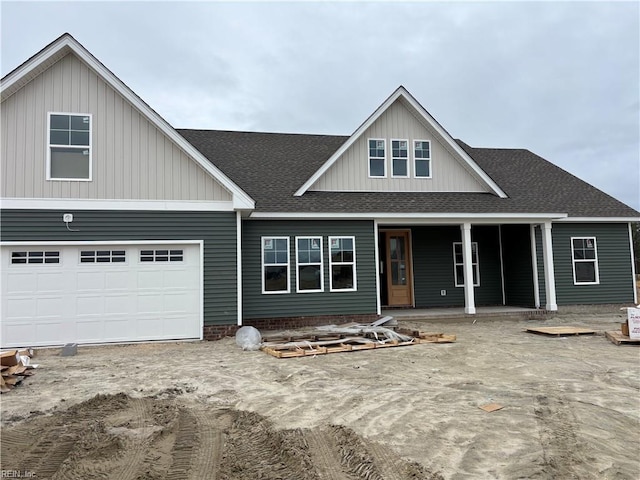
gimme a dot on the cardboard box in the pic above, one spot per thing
(9, 358)
(624, 327)
(633, 319)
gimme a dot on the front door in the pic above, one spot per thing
(398, 263)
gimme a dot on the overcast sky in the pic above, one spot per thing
(558, 78)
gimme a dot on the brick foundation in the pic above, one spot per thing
(216, 332)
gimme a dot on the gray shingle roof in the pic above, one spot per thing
(270, 167)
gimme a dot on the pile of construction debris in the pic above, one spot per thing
(347, 338)
(15, 366)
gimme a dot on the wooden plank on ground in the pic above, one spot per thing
(619, 339)
(561, 331)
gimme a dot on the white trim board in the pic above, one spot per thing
(67, 44)
(401, 92)
(106, 204)
(399, 218)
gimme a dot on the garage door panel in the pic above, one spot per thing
(87, 281)
(94, 302)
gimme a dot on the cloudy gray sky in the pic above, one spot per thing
(559, 78)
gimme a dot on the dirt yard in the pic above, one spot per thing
(208, 410)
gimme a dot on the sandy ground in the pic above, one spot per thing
(210, 410)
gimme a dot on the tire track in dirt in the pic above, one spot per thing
(211, 427)
(184, 447)
(137, 449)
(324, 455)
(557, 436)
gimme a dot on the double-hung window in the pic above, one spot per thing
(399, 158)
(584, 254)
(275, 265)
(342, 264)
(422, 158)
(377, 157)
(69, 149)
(309, 269)
(459, 264)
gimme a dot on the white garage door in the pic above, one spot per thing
(58, 294)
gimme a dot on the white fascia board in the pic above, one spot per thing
(399, 218)
(241, 199)
(95, 204)
(103, 242)
(402, 92)
(600, 219)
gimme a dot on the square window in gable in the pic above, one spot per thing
(69, 147)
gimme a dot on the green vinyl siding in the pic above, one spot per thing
(216, 229)
(518, 268)
(293, 304)
(433, 266)
(614, 263)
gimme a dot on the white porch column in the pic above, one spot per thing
(549, 273)
(469, 298)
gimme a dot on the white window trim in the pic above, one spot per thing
(28, 263)
(369, 157)
(407, 158)
(49, 145)
(332, 263)
(476, 265)
(415, 169)
(310, 263)
(95, 256)
(276, 292)
(586, 260)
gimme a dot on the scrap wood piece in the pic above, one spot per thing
(491, 407)
(428, 337)
(561, 331)
(619, 339)
(350, 344)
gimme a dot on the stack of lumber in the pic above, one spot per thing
(15, 366)
(349, 338)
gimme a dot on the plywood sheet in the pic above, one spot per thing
(561, 331)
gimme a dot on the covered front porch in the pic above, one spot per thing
(436, 313)
(422, 267)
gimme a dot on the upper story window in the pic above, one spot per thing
(275, 265)
(422, 157)
(399, 158)
(377, 157)
(584, 255)
(69, 150)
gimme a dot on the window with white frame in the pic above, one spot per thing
(584, 254)
(422, 158)
(275, 265)
(161, 255)
(309, 270)
(102, 256)
(69, 154)
(458, 263)
(377, 157)
(342, 263)
(35, 257)
(399, 158)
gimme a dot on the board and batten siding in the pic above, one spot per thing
(614, 263)
(132, 158)
(259, 305)
(216, 229)
(351, 171)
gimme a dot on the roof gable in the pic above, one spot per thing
(443, 137)
(65, 45)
